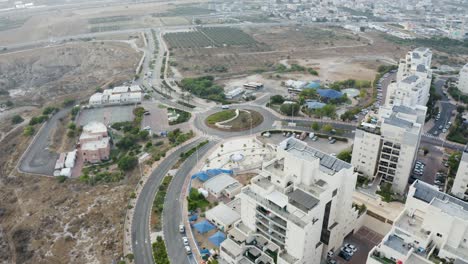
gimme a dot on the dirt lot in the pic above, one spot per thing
(42, 220)
(41, 75)
(335, 53)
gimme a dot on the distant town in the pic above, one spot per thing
(234, 132)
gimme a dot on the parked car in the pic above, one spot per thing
(181, 228)
(351, 246)
(185, 241)
(225, 107)
(347, 250)
(330, 254)
(188, 250)
(345, 255)
(331, 261)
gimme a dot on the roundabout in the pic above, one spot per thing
(234, 120)
(202, 122)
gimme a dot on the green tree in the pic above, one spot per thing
(143, 134)
(327, 128)
(127, 162)
(290, 109)
(28, 130)
(16, 119)
(345, 155)
(277, 99)
(316, 126)
(309, 94)
(72, 126)
(68, 102)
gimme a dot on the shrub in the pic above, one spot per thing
(16, 119)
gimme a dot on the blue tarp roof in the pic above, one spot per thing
(217, 238)
(193, 217)
(204, 227)
(329, 93)
(313, 85)
(205, 251)
(208, 174)
(315, 104)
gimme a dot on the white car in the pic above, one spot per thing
(188, 250)
(181, 228)
(347, 251)
(351, 246)
(185, 241)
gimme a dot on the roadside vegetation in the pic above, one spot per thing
(204, 87)
(444, 44)
(159, 251)
(158, 204)
(458, 132)
(183, 116)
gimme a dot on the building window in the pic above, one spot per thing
(335, 192)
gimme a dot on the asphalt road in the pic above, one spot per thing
(141, 241)
(446, 109)
(172, 214)
(38, 159)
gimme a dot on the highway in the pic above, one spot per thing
(141, 241)
(172, 214)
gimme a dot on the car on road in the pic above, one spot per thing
(188, 250)
(181, 229)
(146, 113)
(441, 127)
(331, 261)
(225, 107)
(436, 133)
(185, 241)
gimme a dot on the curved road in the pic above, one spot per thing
(38, 159)
(141, 242)
(172, 208)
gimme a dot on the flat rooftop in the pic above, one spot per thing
(302, 200)
(328, 164)
(426, 193)
(397, 244)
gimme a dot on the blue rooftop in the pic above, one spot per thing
(313, 85)
(329, 93)
(312, 104)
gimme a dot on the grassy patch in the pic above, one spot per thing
(110, 19)
(220, 116)
(246, 120)
(183, 116)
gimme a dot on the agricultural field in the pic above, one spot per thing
(335, 53)
(191, 39)
(110, 19)
(7, 23)
(209, 37)
(184, 10)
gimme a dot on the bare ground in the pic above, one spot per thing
(42, 220)
(335, 53)
(39, 76)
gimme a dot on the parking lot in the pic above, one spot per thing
(106, 115)
(364, 240)
(433, 163)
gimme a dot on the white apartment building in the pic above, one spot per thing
(298, 208)
(460, 184)
(386, 151)
(463, 79)
(413, 81)
(432, 225)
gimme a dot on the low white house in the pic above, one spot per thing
(118, 95)
(222, 216)
(70, 159)
(218, 185)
